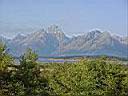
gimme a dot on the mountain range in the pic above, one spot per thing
(52, 41)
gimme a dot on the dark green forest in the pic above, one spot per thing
(88, 77)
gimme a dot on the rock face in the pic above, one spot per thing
(53, 42)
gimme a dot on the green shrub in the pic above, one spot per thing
(89, 78)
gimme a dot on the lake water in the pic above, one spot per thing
(47, 60)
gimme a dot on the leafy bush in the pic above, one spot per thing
(24, 79)
(89, 78)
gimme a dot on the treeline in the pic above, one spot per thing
(85, 78)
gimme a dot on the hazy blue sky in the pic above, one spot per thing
(74, 16)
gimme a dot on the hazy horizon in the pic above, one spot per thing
(74, 17)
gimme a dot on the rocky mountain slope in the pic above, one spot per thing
(53, 42)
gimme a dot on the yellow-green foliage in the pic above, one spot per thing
(5, 59)
(88, 78)
(24, 79)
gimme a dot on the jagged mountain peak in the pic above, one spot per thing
(38, 33)
(54, 29)
(106, 35)
(57, 32)
(92, 34)
(18, 36)
(3, 39)
(95, 31)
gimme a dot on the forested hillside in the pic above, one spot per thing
(88, 77)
